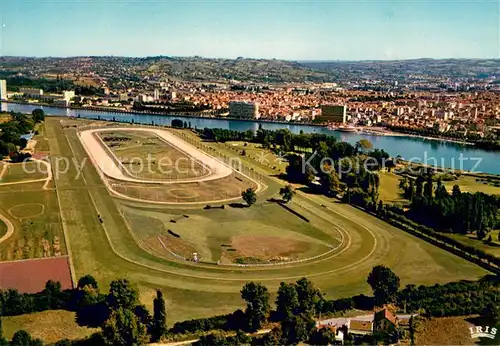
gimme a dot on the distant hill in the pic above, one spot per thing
(183, 68)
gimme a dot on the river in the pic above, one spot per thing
(439, 153)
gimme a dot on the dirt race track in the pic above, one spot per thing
(30, 276)
(113, 168)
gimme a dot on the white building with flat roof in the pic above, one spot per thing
(3, 90)
(244, 110)
(31, 92)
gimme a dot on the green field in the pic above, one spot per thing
(35, 215)
(265, 156)
(471, 240)
(110, 249)
(471, 184)
(226, 235)
(30, 170)
(50, 326)
(389, 191)
(42, 144)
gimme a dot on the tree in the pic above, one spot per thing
(122, 295)
(159, 316)
(330, 183)
(287, 193)
(124, 328)
(23, 338)
(309, 296)
(249, 196)
(297, 329)
(456, 191)
(481, 234)
(384, 283)
(287, 302)
(323, 336)
(273, 338)
(257, 299)
(491, 313)
(88, 280)
(364, 145)
(38, 115)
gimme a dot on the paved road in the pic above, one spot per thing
(340, 321)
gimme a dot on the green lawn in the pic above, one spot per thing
(255, 151)
(30, 170)
(471, 184)
(35, 215)
(42, 144)
(389, 191)
(50, 326)
(471, 240)
(110, 250)
(252, 232)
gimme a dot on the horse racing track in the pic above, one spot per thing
(30, 276)
(155, 166)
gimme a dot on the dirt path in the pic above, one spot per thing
(10, 228)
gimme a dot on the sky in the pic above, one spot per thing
(293, 30)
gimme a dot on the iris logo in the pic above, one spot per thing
(482, 332)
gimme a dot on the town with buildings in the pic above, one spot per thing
(456, 106)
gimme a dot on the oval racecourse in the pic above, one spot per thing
(149, 229)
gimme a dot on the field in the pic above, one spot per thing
(239, 235)
(30, 170)
(3, 229)
(120, 245)
(50, 326)
(390, 193)
(472, 184)
(35, 214)
(443, 331)
(255, 151)
(471, 240)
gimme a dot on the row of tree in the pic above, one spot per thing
(12, 130)
(124, 321)
(489, 142)
(459, 212)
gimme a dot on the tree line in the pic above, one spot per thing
(124, 321)
(12, 130)
(458, 212)
(490, 142)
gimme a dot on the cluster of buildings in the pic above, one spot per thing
(64, 99)
(382, 321)
(475, 112)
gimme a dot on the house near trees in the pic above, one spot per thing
(384, 321)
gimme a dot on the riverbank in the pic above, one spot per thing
(110, 110)
(369, 131)
(385, 132)
(446, 154)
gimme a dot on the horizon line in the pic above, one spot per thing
(237, 58)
